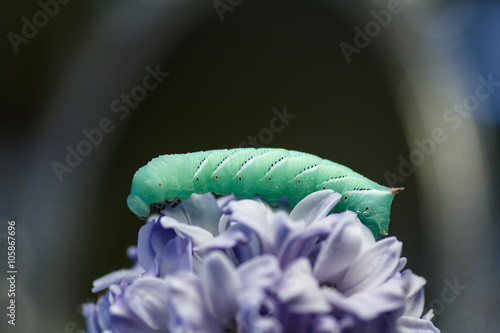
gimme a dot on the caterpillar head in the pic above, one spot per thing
(147, 188)
(138, 206)
(373, 208)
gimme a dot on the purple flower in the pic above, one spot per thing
(243, 266)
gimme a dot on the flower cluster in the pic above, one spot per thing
(242, 266)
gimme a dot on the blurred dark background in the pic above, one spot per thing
(359, 101)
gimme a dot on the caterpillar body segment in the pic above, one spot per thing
(272, 173)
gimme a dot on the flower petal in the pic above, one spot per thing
(147, 298)
(255, 215)
(154, 268)
(261, 272)
(160, 236)
(177, 255)
(323, 227)
(200, 210)
(315, 206)
(113, 278)
(198, 235)
(90, 312)
(414, 294)
(186, 310)
(225, 200)
(123, 319)
(372, 267)
(235, 235)
(326, 324)
(429, 315)
(300, 291)
(145, 251)
(103, 315)
(152, 240)
(257, 312)
(402, 264)
(338, 252)
(368, 305)
(224, 223)
(220, 284)
(286, 235)
(415, 325)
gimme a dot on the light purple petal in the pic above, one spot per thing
(372, 267)
(414, 325)
(414, 294)
(115, 290)
(338, 252)
(177, 255)
(250, 319)
(286, 233)
(315, 206)
(402, 264)
(222, 202)
(154, 268)
(152, 240)
(199, 210)
(185, 312)
(198, 235)
(367, 239)
(323, 227)
(429, 315)
(132, 253)
(160, 236)
(236, 234)
(255, 215)
(326, 324)
(220, 285)
(112, 296)
(267, 325)
(90, 312)
(124, 320)
(244, 252)
(370, 304)
(147, 298)
(224, 223)
(261, 272)
(113, 278)
(103, 305)
(300, 291)
(302, 238)
(145, 251)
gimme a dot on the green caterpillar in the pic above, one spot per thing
(272, 173)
